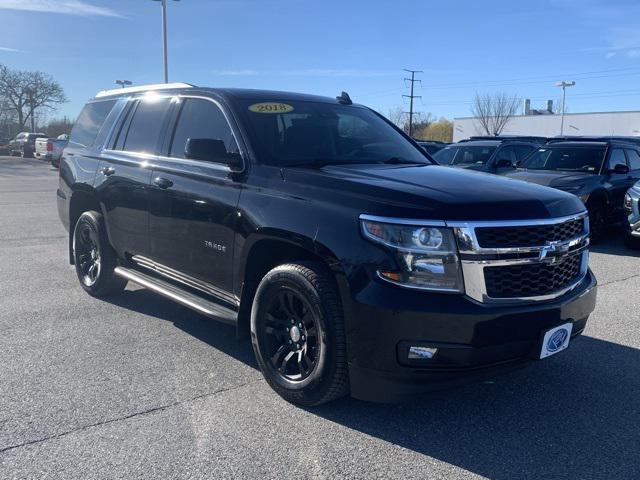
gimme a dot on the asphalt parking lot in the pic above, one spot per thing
(138, 387)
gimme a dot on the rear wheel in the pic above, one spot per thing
(297, 330)
(94, 258)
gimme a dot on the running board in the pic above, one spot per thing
(172, 292)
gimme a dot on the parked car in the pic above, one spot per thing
(50, 149)
(431, 147)
(24, 144)
(493, 156)
(632, 207)
(355, 263)
(4, 145)
(599, 172)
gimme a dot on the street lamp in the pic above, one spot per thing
(564, 84)
(164, 37)
(124, 83)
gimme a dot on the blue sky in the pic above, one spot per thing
(324, 47)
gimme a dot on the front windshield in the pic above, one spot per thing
(304, 133)
(464, 155)
(581, 159)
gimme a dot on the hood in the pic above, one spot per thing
(550, 178)
(435, 192)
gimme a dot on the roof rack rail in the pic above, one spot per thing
(143, 88)
(595, 138)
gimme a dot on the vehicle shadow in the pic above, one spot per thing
(576, 415)
(219, 335)
(573, 416)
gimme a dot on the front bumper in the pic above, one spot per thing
(474, 340)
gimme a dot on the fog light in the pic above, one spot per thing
(421, 353)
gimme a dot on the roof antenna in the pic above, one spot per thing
(344, 99)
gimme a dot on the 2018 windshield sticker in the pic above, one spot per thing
(270, 107)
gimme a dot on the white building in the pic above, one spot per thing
(595, 123)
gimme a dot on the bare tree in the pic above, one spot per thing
(493, 112)
(28, 92)
(397, 116)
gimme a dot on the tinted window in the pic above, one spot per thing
(306, 133)
(634, 159)
(508, 153)
(523, 151)
(201, 119)
(89, 122)
(617, 157)
(588, 159)
(145, 125)
(465, 155)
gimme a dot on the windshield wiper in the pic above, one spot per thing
(401, 161)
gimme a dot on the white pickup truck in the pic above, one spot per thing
(51, 148)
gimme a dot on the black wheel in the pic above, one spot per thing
(597, 220)
(297, 331)
(94, 258)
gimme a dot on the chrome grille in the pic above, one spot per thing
(532, 279)
(528, 235)
(522, 261)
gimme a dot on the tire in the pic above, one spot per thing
(94, 258)
(597, 221)
(297, 331)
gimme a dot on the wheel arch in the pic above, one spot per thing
(82, 200)
(266, 250)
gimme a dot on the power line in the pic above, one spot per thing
(413, 80)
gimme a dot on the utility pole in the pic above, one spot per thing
(564, 84)
(164, 38)
(412, 96)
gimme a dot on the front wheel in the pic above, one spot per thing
(94, 258)
(297, 331)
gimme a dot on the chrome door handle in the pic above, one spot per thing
(108, 171)
(163, 183)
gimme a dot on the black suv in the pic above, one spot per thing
(599, 171)
(355, 263)
(493, 155)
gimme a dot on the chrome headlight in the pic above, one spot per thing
(627, 202)
(427, 256)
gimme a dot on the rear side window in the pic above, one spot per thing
(634, 159)
(89, 122)
(146, 124)
(201, 119)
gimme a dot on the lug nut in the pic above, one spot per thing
(287, 329)
(290, 342)
(297, 345)
(302, 337)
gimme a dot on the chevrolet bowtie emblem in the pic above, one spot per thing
(553, 252)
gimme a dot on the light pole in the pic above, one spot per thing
(164, 38)
(564, 84)
(124, 83)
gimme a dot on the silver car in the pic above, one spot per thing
(632, 206)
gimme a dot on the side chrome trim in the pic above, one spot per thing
(172, 292)
(187, 280)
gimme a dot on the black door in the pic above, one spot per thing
(124, 174)
(194, 203)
